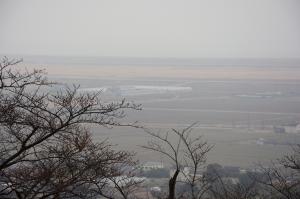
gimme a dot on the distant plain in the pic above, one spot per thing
(234, 107)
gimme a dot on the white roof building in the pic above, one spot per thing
(152, 165)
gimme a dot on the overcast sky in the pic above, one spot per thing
(151, 28)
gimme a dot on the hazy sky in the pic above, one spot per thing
(151, 28)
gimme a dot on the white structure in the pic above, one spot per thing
(155, 189)
(298, 128)
(260, 141)
(152, 165)
(184, 175)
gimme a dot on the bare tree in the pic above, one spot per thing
(184, 151)
(45, 149)
(124, 184)
(223, 188)
(292, 161)
(282, 179)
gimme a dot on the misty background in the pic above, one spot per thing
(151, 28)
(233, 66)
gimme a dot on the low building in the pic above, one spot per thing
(152, 165)
(298, 128)
(184, 175)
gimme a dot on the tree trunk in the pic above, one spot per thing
(172, 183)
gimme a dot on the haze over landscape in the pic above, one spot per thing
(232, 67)
(235, 106)
(225, 51)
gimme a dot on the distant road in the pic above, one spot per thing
(218, 111)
